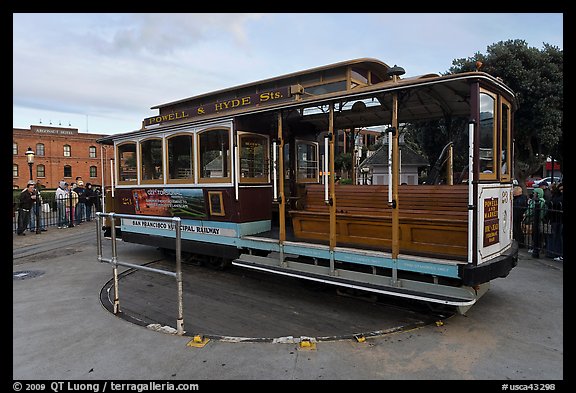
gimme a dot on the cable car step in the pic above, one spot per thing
(425, 291)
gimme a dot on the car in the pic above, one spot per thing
(548, 180)
(530, 181)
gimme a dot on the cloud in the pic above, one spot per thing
(119, 65)
(165, 34)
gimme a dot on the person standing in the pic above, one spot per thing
(81, 205)
(546, 188)
(61, 200)
(535, 215)
(36, 211)
(519, 208)
(27, 199)
(556, 247)
(90, 196)
(71, 202)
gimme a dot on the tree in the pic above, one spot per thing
(343, 163)
(536, 77)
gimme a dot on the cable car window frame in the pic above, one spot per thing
(192, 176)
(119, 161)
(223, 179)
(495, 163)
(505, 130)
(144, 145)
(266, 158)
(297, 143)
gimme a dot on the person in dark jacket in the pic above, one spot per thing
(90, 196)
(80, 208)
(27, 199)
(546, 188)
(36, 212)
(519, 205)
(555, 249)
(535, 215)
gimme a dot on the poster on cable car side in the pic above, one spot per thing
(166, 202)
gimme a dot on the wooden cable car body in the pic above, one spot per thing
(251, 172)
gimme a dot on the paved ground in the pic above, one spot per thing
(62, 332)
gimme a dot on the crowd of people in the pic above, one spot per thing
(74, 204)
(538, 220)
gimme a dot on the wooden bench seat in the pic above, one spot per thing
(433, 218)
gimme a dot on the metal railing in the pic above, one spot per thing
(115, 262)
(541, 236)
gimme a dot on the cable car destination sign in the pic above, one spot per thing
(252, 100)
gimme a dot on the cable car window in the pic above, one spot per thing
(126, 153)
(151, 156)
(306, 162)
(254, 162)
(214, 155)
(487, 145)
(180, 163)
(327, 88)
(358, 77)
(505, 141)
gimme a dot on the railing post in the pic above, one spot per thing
(99, 236)
(115, 263)
(114, 260)
(536, 229)
(180, 320)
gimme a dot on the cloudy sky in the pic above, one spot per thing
(101, 73)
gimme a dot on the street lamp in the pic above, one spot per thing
(30, 158)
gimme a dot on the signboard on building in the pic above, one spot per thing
(53, 130)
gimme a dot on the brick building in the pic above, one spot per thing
(61, 153)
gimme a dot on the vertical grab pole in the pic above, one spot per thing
(111, 177)
(390, 133)
(281, 199)
(450, 165)
(470, 190)
(393, 187)
(236, 166)
(275, 170)
(332, 199)
(180, 321)
(115, 268)
(325, 169)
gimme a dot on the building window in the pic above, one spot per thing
(67, 171)
(214, 155)
(151, 156)
(92, 152)
(40, 171)
(126, 154)
(254, 162)
(93, 171)
(180, 162)
(40, 149)
(15, 170)
(14, 148)
(67, 151)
